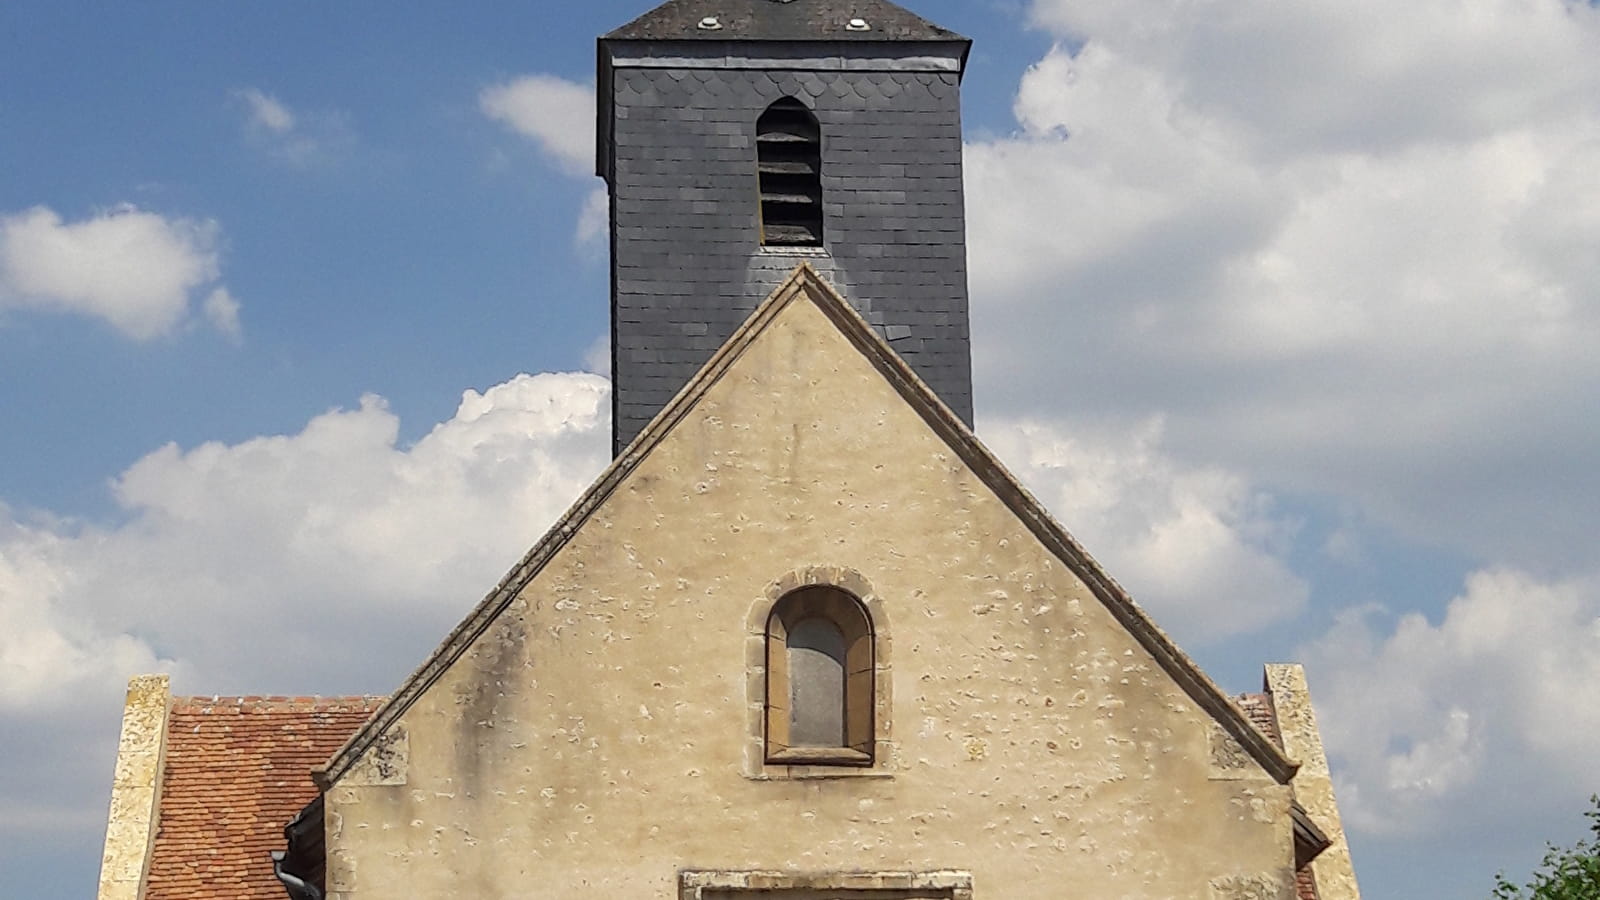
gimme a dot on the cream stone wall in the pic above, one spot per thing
(593, 742)
(136, 789)
(1313, 784)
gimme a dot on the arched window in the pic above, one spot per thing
(789, 162)
(820, 690)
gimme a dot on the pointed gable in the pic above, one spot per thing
(781, 20)
(757, 402)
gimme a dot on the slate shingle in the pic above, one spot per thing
(686, 199)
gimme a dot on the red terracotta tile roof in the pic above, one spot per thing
(237, 770)
(1259, 710)
(1305, 884)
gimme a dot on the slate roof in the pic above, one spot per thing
(777, 20)
(237, 770)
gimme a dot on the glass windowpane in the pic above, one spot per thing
(816, 684)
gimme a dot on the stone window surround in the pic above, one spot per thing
(696, 884)
(855, 694)
(756, 764)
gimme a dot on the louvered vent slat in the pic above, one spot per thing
(789, 167)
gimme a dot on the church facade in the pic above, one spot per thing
(806, 638)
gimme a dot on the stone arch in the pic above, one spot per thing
(868, 741)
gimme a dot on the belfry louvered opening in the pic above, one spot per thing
(789, 157)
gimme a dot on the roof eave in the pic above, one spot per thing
(1309, 839)
(606, 49)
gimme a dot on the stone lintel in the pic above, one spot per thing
(718, 884)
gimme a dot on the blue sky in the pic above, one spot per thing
(1287, 311)
(407, 225)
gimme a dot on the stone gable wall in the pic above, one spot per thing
(594, 741)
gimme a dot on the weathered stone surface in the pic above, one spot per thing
(743, 885)
(1252, 887)
(135, 789)
(1228, 757)
(1313, 784)
(595, 740)
(384, 763)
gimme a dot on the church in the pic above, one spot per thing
(806, 638)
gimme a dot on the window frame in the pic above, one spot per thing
(780, 142)
(851, 616)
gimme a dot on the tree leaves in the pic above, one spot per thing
(1563, 874)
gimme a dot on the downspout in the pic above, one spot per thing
(298, 888)
(300, 866)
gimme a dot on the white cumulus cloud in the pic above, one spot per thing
(329, 560)
(1346, 248)
(46, 654)
(266, 111)
(222, 311)
(594, 221)
(1196, 546)
(280, 537)
(1493, 710)
(1349, 250)
(138, 271)
(1323, 75)
(556, 114)
(299, 139)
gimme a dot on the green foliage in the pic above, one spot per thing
(1563, 874)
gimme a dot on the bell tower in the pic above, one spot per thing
(739, 137)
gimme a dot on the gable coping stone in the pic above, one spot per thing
(136, 789)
